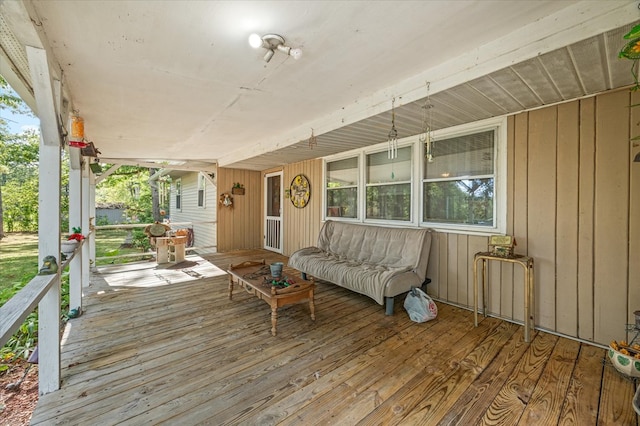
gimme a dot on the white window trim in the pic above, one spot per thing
(418, 164)
(178, 184)
(203, 179)
(500, 181)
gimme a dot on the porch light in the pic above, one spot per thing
(273, 42)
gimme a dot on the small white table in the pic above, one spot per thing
(524, 261)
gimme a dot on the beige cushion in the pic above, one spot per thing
(373, 260)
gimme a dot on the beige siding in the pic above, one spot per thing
(302, 226)
(240, 227)
(573, 205)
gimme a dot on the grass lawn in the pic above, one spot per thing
(18, 263)
(109, 242)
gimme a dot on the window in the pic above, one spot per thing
(388, 187)
(459, 184)
(201, 188)
(342, 188)
(462, 190)
(178, 194)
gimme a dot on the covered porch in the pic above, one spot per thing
(166, 345)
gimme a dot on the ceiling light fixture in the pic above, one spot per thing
(273, 42)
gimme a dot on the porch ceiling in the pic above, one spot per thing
(178, 80)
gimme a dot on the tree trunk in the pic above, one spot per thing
(155, 199)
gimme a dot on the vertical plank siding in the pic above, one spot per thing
(240, 227)
(574, 205)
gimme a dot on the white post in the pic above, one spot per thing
(91, 259)
(48, 220)
(86, 172)
(75, 219)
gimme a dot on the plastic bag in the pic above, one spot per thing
(419, 306)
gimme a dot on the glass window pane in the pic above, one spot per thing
(342, 173)
(342, 202)
(459, 202)
(381, 169)
(467, 155)
(273, 196)
(391, 202)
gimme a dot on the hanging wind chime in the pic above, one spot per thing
(392, 148)
(313, 140)
(426, 137)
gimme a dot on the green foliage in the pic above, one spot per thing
(129, 185)
(141, 240)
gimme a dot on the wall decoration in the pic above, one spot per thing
(300, 191)
(226, 200)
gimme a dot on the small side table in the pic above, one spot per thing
(527, 263)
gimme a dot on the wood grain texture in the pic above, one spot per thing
(167, 346)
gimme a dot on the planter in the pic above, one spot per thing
(237, 191)
(68, 247)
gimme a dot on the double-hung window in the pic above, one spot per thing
(388, 186)
(342, 188)
(201, 189)
(459, 184)
(178, 194)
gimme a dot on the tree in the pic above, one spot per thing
(13, 148)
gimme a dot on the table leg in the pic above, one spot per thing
(485, 283)
(274, 318)
(475, 292)
(230, 287)
(312, 307)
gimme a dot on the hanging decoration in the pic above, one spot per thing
(77, 132)
(313, 140)
(300, 191)
(426, 138)
(392, 148)
(631, 51)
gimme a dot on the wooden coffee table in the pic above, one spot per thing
(251, 276)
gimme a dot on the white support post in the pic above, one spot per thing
(48, 220)
(75, 219)
(91, 259)
(86, 173)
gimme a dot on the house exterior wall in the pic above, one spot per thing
(240, 226)
(573, 205)
(203, 218)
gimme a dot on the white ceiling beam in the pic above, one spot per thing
(570, 25)
(45, 100)
(189, 166)
(106, 173)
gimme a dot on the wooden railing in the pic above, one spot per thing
(18, 308)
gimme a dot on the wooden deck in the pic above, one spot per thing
(167, 346)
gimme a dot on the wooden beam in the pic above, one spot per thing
(190, 166)
(43, 91)
(20, 306)
(106, 174)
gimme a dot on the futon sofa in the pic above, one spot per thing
(379, 262)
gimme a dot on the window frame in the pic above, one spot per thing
(178, 194)
(358, 186)
(418, 164)
(499, 126)
(202, 190)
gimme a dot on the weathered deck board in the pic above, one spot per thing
(158, 346)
